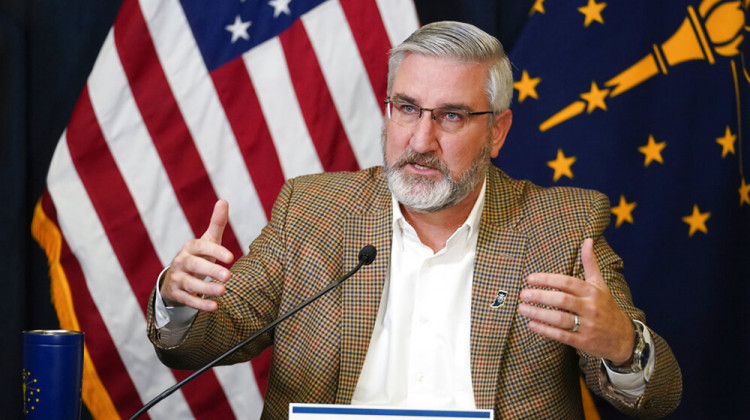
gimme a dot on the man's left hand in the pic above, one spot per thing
(604, 329)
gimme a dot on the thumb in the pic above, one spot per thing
(591, 271)
(218, 223)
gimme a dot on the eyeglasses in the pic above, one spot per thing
(448, 119)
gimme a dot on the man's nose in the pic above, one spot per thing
(424, 137)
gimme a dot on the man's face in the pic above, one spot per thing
(427, 168)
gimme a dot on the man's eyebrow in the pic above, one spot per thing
(461, 107)
(409, 99)
(404, 98)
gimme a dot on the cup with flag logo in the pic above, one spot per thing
(52, 374)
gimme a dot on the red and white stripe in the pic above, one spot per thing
(155, 139)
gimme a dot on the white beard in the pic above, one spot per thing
(419, 193)
(427, 195)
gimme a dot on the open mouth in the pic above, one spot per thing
(420, 166)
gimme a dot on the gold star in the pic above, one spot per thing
(537, 7)
(527, 86)
(561, 165)
(593, 12)
(727, 142)
(652, 150)
(623, 211)
(697, 220)
(595, 98)
(744, 193)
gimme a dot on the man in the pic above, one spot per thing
(487, 292)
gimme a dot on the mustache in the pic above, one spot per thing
(428, 160)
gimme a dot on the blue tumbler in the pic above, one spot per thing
(52, 374)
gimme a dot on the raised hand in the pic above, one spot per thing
(603, 330)
(184, 282)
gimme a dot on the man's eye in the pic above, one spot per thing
(407, 108)
(453, 116)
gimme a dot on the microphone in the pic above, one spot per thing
(366, 257)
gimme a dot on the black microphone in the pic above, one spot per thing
(366, 256)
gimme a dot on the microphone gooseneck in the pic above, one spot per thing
(366, 256)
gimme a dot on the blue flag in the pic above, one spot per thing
(648, 103)
(253, 22)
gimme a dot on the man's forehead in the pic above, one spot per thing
(442, 81)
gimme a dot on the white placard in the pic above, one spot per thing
(353, 412)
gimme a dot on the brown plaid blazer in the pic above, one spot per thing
(319, 224)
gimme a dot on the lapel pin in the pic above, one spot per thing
(499, 299)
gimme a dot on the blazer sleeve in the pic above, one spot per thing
(664, 389)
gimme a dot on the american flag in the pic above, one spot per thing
(190, 101)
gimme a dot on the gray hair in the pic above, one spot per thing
(465, 43)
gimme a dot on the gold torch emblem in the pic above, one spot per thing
(716, 28)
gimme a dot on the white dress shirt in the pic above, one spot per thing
(420, 350)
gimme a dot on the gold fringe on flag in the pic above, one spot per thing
(589, 408)
(46, 233)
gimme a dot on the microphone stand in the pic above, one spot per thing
(366, 256)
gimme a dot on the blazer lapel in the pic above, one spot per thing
(361, 294)
(498, 271)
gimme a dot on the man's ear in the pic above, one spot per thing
(500, 128)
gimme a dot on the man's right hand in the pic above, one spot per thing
(184, 283)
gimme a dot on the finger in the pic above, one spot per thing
(555, 318)
(201, 268)
(196, 302)
(552, 298)
(181, 284)
(591, 270)
(564, 283)
(218, 222)
(558, 334)
(202, 287)
(205, 249)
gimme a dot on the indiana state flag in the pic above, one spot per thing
(648, 102)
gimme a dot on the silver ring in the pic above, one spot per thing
(576, 323)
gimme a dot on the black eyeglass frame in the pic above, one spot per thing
(469, 114)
